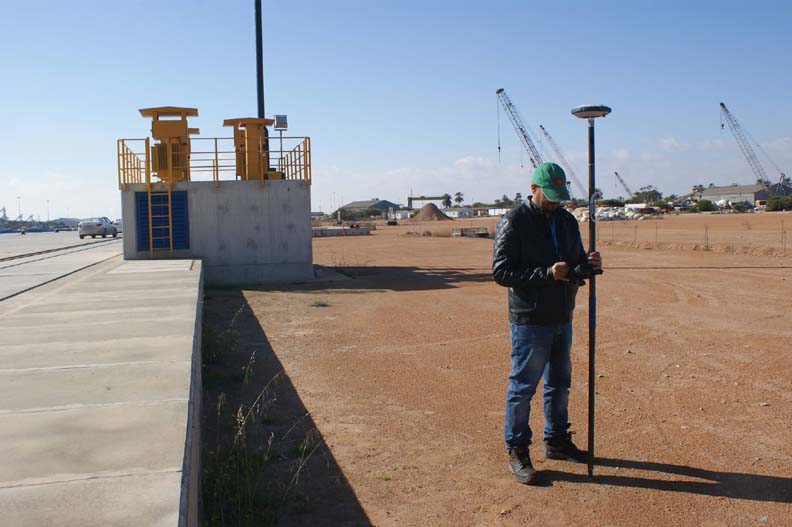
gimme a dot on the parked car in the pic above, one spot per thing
(117, 224)
(94, 227)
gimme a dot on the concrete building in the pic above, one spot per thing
(250, 223)
(243, 232)
(376, 203)
(458, 212)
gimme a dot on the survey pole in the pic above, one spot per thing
(591, 112)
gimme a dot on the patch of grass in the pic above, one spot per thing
(252, 461)
(232, 476)
(319, 303)
(387, 478)
(215, 343)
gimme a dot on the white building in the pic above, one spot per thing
(458, 212)
(399, 215)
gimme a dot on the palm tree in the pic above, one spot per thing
(459, 198)
(446, 201)
(518, 199)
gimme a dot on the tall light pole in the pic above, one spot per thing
(591, 112)
(260, 73)
(19, 206)
(48, 218)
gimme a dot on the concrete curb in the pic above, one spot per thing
(189, 503)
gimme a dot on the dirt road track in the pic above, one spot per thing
(404, 373)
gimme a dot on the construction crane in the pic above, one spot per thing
(563, 160)
(741, 136)
(623, 184)
(3, 216)
(522, 130)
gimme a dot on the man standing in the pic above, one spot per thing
(537, 251)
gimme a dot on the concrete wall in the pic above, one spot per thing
(243, 232)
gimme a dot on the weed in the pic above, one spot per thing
(253, 464)
(215, 343)
(319, 303)
(347, 268)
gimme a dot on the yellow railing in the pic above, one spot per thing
(296, 164)
(215, 159)
(131, 167)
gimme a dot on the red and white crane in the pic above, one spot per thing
(741, 136)
(630, 195)
(519, 126)
(570, 172)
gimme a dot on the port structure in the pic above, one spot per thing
(173, 156)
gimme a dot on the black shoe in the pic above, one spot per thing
(562, 447)
(520, 465)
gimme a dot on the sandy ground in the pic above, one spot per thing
(755, 234)
(404, 374)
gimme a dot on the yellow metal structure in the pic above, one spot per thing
(173, 160)
(170, 158)
(252, 157)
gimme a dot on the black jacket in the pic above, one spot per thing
(523, 257)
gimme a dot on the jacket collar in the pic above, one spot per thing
(535, 209)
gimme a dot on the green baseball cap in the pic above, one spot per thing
(553, 181)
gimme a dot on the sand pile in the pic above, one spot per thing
(430, 212)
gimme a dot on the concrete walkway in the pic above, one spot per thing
(20, 274)
(100, 397)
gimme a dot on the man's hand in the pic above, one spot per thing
(595, 260)
(560, 271)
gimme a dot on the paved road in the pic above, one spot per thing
(14, 244)
(20, 274)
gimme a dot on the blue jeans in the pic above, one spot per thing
(538, 351)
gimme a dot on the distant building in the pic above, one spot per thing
(497, 211)
(458, 212)
(753, 194)
(376, 203)
(400, 215)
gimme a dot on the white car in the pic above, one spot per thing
(94, 227)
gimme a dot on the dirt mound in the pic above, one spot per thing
(430, 212)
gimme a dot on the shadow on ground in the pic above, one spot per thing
(725, 484)
(383, 278)
(265, 462)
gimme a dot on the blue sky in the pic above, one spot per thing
(395, 95)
